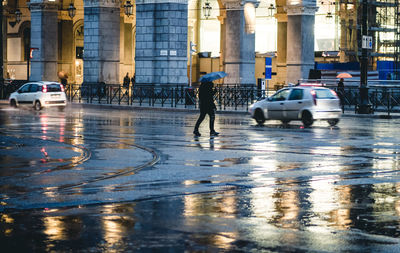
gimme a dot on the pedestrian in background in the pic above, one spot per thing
(133, 80)
(126, 80)
(64, 79)
(207, 106)
(340, 92)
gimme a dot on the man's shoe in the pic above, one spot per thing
(196, 133)
(214, 133)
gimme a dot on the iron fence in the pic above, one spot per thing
(382, 97)
(226, 98)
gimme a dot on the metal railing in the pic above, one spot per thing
(226, 98)
(383, 96)
(9, 86)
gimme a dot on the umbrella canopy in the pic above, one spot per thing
(212, 76)
(344, 75)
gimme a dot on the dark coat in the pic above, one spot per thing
(126, 81)
(206, 96)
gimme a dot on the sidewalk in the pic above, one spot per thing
(191, 108)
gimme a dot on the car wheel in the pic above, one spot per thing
(259, 117)
(13, 103)
(307, 119)
(38, 106)
(333, 122)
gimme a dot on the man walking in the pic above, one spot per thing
(126, 81)
(340, 92)
(207, 106)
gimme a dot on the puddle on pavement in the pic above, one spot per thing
(318, 217)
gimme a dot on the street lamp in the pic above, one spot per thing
(71, 10)
(207, 9)
(271, 9)
(363, 107)
(128, 8)
(18, 15)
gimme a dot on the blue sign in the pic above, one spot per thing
(268, 68)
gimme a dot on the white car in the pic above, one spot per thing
(39, 94)
(305, 103)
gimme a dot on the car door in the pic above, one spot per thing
(32, 93)
(276, 104)
(294, 104)
(22, 94)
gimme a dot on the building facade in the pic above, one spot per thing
(101, 41)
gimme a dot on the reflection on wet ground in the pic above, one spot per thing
(103, 180)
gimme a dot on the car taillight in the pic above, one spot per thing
(314, 95)
(62, 87)
(44, 90)
(334, 93)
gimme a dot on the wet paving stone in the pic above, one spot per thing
(90, 180)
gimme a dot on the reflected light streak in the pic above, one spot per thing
(289, 209)
(115, 227)
(54, 228)
(198, 207)
(6, 219)
(323, 197)
(44, 121)
(397, 204)
(77, 128)
(62, 129)
(340, 217)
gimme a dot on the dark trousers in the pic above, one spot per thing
(211, 114)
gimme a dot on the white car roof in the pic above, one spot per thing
(44, 82)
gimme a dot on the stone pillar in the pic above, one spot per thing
(239, 48)
(101, 41)
(161, 42)
(65, 48)
(281, 42)
(44, 35)
(300, 40)
(221, 19)
(343, 41)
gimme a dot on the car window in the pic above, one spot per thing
(33, 88)
(324, 94)
(280, 95)
(296, 94)
(25, 88)
(53, 87)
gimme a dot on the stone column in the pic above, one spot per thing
(239, 48)
(44, 34)
(281, 42)
(101, 41)
(300, 40)
(161, 42)
(221, 19)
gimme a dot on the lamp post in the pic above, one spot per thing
(71, 10)
(128, 8)
(271, 9)
(363, 107)
(18, 15)
(207, 9)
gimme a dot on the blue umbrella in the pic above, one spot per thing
(212, 76)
